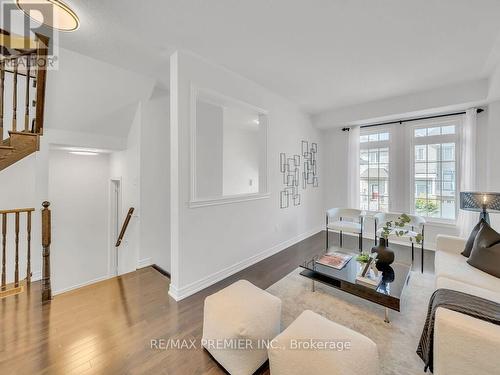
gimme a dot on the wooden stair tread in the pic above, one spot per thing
(3, 147)
(24, 133)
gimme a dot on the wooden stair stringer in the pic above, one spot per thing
(17, 147)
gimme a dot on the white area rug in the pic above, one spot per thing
(396, 341)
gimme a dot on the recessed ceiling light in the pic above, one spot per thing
(84, 153)
(52, 13)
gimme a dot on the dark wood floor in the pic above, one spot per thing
(107, 328)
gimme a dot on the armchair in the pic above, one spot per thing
(342, 220)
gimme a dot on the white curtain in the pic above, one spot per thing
(353, 168)
(466, 220)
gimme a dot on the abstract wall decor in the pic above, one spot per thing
(310, 172)
(290, 169)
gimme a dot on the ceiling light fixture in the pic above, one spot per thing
(52, 13)
(84, 153)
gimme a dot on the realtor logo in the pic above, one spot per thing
(21, 35)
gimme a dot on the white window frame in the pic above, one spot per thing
(378, 144)
(436, 139)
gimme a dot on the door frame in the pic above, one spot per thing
(115, 210)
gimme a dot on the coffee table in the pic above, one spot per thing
(388, 294)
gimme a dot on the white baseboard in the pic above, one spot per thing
(64, 290)
(36, 275)
(146, 262)
(181, 293)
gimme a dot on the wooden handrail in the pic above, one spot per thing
(124, 226)
(17, 210)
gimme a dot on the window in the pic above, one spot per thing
(411, 167)
(374, 171)
(435, 171)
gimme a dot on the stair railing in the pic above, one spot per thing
(124, 226)
(31, 63)
(16, 286)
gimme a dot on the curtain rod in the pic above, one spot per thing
(479, 110)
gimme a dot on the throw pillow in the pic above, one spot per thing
(485, 254)
(472, 237)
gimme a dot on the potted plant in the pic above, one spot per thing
(385, 255)
(363, 258)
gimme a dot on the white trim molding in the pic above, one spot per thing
(146, 262)
(194, 287)
(67, 289)
(216, 98)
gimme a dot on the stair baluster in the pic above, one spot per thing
(18, 285)
(28, 238)
(14, 98)
(16, 271)
(46, 240)
(2, 83)
(4, 252)
(27, 96)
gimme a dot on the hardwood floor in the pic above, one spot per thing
(107, 328)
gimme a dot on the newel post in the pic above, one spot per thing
(46, 239)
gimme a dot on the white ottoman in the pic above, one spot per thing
(315, 345)
(236, 322)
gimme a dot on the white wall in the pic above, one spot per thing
(125, 166)
(209, 149)
(241, 156)
(446, 99)
(212, 242)
(79, 196)
(19, 191)
(155, 182)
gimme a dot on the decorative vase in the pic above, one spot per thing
(385, 255)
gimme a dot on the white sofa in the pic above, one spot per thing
(464, 345)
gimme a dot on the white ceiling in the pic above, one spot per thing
(320, 54)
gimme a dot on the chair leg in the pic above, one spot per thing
(422, 261)
(341, 238)
(327, 234)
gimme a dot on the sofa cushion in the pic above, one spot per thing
(485, 254)
(470, 242)
(446, 283)
(455, 267)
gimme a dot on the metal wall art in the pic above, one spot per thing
(309, 175)
(290, 169)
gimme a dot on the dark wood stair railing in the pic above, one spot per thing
(18, 286)
(124, 226)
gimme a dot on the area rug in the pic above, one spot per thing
(397, 341)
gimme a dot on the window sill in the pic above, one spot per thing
(227, 200)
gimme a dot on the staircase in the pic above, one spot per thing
(23, 68)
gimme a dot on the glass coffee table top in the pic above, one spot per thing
(388, 293)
